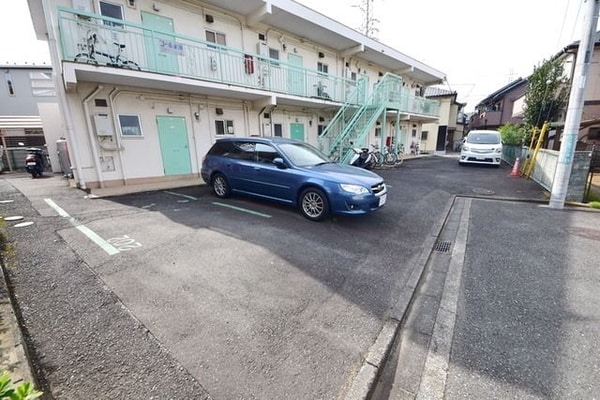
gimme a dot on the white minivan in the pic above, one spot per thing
(481, 147)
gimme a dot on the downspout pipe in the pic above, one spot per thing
(194, 121)
(61, 93)
(111, 101)
(88, 124)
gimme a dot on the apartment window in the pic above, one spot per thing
(323, 68)
(42, 84)
(320, 129)
(414, 133)
(34, 131)
(130, 125)
(424, 135)
(224, 127)
(113, 11)
(216, 37)
(378, 131)
(274, 54)
(9, 83)
(353, 76)
(277, 130)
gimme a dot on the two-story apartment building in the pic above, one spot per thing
(29, 114)
(147, 86)
(444, 134)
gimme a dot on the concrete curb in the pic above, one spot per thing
(375, 359)
(435, 370)
(14, 357)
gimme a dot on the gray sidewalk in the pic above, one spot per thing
(511, 312)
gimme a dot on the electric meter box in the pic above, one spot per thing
(103, 125)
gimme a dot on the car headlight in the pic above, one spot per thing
(465, 148)
(356, 189)
(499, 150)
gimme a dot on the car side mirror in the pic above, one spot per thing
(279, 163)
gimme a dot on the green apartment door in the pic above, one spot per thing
(297, 131)
(174, 148)
(296, 81)
(161, 50)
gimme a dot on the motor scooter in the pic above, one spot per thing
(362, 158)
(34, 161)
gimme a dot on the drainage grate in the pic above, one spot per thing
(443, 247)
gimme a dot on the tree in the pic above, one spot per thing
(513, 134)
(546, 94)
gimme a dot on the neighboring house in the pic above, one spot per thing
(506, 104)
(501, 107)
(146, 87)
(589, 133)
(443, 135)
(27, 102)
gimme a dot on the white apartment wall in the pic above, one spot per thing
(446, 115)
(131, 158)
(22, 101)
(137, 158)
(54, 130)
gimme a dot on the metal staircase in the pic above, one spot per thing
(351, 125)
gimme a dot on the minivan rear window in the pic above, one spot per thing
(483, 138)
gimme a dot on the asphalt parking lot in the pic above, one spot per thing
(188, 296)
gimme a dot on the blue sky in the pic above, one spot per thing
(480, 45)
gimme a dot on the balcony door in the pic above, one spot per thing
(296, 81)
(161, 49)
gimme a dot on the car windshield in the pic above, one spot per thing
(303, 154)
(483, 138)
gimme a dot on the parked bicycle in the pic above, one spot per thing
(400, 154)
(414, 149)
(335, 156)
(93, 56)
(387, 156)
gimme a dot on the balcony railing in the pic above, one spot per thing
(488, 118)
(97, 40)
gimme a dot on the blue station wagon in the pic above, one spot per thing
(291, 172)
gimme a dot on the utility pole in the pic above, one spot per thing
(575, 106)
(368, 27)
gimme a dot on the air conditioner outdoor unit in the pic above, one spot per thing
(262, 49)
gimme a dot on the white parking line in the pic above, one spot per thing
(93, 236)
(242, 209)
(181, 195)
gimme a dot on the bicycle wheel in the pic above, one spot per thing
(390, 158)
(131, 65)
(85, 58)
(378, 158)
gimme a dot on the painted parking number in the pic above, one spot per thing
(124, 243)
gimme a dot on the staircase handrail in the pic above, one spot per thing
(375, 94)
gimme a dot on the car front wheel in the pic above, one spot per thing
(221, 186)
(314, 204)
